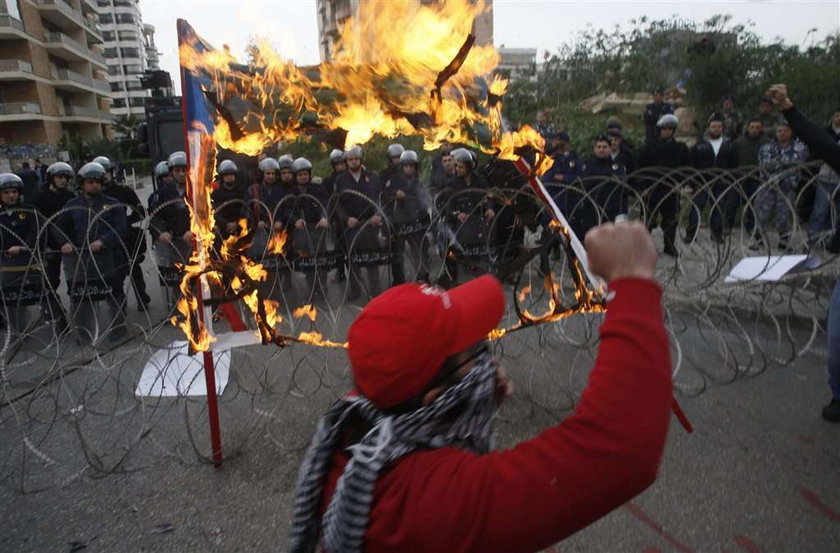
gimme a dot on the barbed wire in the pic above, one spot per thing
(70, 405)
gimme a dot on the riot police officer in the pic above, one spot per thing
(95, 225)
(307, 217)
(170, 221)
(404, 201)
(393, 165)
(135, 241)
(339, 165)
(358, 212)
(227, 199)
(18, 234)
(660, 179)
(162, 177)
(54, 197)
(263, 200)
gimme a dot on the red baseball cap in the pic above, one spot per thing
(399, 342)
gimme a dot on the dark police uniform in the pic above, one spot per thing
(602, 186)
(135, 241)
(409, 218)
(170, 214)
(359, 199)
(50, 203)
(662, 186)
(653, 111)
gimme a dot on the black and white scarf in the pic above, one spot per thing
(461, 416)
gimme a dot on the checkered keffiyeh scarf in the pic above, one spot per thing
(462, 416)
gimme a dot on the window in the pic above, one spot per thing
(118, 103)
(106, 18)
(130, 52)
(103, 3)
(132, 69)
(128, 35)
(116, 87)
(12, 8)
(123, 3)
(125, 18)
(108, 36)
(110, 52)
(114, 70)
(137, 102)
(133, 85)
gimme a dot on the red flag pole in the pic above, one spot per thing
(209, 366)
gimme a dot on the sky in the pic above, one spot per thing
(292, 27)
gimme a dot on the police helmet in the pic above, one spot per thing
(60, 168)
(269, 164)
(301, 164)
(668, 120)
(176, 159)
(409, 156)
(161, 169)
(227, 167)
(354, 153)
(336, 156)
(395, 150)
(285, 161)
(10, 180)
(104, 162)
(92, 170)
(462, 155)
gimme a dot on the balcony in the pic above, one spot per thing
(11, 28)
(20, 111)
(84, 115)
(70, 80)
(61, 14)
(17, 70)
(66, 48)
(94, 33)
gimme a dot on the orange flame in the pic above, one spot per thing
(308, 311)
(386, 71)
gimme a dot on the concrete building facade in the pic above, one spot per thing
(333, 13)
(52, 72)
(129, 50)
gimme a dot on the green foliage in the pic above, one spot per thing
(141, 166)
(710, 60)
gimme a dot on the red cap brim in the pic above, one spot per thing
(479, 306)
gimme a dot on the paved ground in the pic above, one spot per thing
(85, 465)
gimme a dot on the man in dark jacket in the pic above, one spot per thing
(263, 203)
(660, 177)
(653, 112)
(392, 166)
(731, 118)
(31, 183)
(135, 240)
(404, 463)
(468, 213)
(602, 182)
(170, 224)
(227, 199)
(54, 197)
(95, 225)
(563, 173)
(359, 217)
(713, 158)
(19, 228)
(822, 145)
(339, 165)
(745, 149)
(405, 205)
(308, 221)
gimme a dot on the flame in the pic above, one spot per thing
(277, 242)
(400, 68)
(307, 310)
(388, 77)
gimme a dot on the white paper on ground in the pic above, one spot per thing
(764, 268)
(172, 372)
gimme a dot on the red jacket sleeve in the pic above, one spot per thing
(547, 488)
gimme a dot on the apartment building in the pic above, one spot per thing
(129, 50)
(52, 72)
(333, 13)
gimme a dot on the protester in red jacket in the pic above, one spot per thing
(403, 463)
